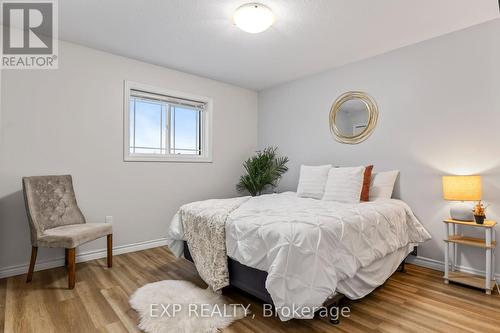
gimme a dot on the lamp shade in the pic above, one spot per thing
(462, 188)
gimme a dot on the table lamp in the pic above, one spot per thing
(462, 188)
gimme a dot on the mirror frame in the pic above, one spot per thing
(371, 107)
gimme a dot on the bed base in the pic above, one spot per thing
(253, 282)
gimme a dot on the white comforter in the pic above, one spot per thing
(307, 246)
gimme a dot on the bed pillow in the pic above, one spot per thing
(312, 181)
(382, 184)
(344, 184)
(367, 179)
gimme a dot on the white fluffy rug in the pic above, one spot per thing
(180, 306)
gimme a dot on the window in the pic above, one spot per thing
(166, 126)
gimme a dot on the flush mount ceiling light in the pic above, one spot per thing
(253, 18)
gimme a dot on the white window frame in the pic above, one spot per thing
(206, 128)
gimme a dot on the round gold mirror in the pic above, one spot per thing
(353, 117)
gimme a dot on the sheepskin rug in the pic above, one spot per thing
(180, 306)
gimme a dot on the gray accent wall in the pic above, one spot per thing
(69, 121)
(439, 104)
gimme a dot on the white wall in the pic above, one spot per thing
(70, 121)
(439, 114)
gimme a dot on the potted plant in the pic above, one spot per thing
(262, 171)
(479, 213)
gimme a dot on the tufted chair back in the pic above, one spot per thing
(50, 202)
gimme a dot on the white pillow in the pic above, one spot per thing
(344, 184)
(312, 181)
(382, 184)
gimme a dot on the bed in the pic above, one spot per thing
(306, 251)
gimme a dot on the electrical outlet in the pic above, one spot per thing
(109, 219)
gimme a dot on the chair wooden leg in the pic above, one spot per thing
(34, 251)
(71, 268)
(65, 257)
(110, 250)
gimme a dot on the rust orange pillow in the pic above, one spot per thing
(367, 178)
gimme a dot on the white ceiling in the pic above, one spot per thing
(309, 36)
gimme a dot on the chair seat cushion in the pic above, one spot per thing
(73, 235)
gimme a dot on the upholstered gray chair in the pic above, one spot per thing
(56, 221)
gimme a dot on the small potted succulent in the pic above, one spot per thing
(479, 213)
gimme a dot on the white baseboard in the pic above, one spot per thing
(82, 257)
(97, 254)
(439, 266)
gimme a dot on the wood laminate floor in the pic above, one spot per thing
(414, 301)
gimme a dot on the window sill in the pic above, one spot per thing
(174, 159)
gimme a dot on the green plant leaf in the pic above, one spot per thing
(262, 170)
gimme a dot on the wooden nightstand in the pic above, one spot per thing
(453, 239)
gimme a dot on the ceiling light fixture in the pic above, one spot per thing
(253, 18)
